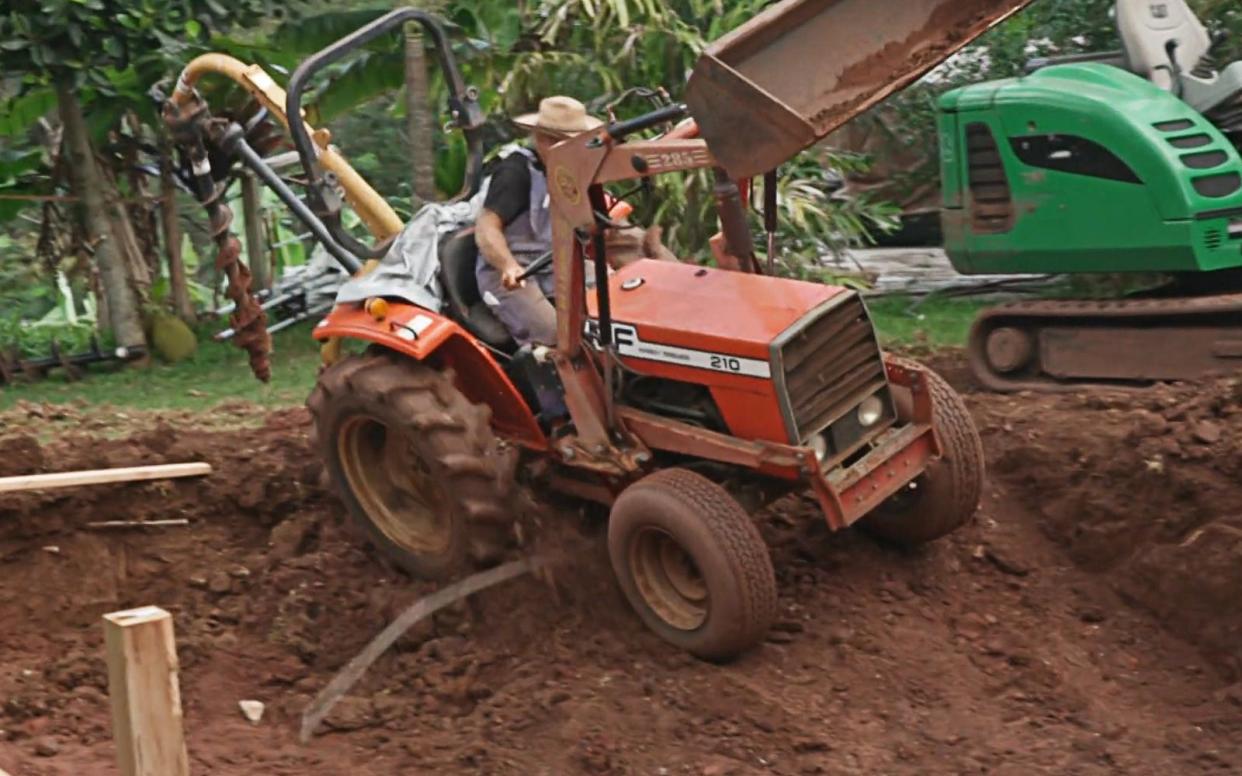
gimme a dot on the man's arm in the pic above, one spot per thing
(489, 235)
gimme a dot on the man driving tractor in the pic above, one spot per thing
(514, 227)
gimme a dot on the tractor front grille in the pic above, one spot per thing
(828, 362)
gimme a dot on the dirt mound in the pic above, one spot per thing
(1144, 487)
(988, 652)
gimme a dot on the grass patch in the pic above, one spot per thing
(924, 322)
(217, 372)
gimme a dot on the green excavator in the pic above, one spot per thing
(1121, 162)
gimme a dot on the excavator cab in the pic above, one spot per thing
(1111, 162)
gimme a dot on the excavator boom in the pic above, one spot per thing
(787, 78)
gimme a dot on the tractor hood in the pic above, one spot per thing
(787, 78)
(688, 306)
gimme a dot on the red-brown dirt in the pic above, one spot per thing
(1086, 622)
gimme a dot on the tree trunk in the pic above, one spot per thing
(419, 121)
(126, 236)
(103, 318)
(122, 301)
(256, 251)
(142, 214)
(177, 284)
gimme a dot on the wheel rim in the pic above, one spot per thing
(668, 579)
(1009, 349)
(393, 486)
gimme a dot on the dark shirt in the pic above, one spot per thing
(508, 196)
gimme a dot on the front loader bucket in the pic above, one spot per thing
(785, 79)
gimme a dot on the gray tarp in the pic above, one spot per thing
(409, 270)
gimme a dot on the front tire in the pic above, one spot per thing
(692, 564)
(947, 494)
(413, 460)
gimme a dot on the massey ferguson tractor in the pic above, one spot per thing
(683, 390)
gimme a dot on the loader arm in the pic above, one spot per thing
(787, 78)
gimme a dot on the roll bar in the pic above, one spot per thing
(463, 107)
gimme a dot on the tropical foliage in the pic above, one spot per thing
(594, 50)
(105, 55)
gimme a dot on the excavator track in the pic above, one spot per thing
(1056, 345)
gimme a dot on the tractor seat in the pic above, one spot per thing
(1148, 30)
(458, 255)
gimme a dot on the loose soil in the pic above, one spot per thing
(1086, 622)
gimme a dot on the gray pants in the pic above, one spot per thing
(525, 311)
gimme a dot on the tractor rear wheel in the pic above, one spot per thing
(692, 564)
(414, 461)
(947, 494)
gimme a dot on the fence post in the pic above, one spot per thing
(145, 693)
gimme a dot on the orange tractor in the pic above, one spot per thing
(689, 389)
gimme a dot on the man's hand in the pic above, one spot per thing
(511, 276)
(489, 235)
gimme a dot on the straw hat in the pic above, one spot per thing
(559, 116)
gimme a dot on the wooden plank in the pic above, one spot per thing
(103, 524)
(102, 476)
(145, 693)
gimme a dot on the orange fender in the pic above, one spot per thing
(438, 341)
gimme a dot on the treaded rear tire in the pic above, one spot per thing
(442, 435)
(947, 495)
(711, 528)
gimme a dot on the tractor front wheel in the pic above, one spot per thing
(412, 459)
(692, 564)
(946, 495)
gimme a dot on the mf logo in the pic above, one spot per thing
(623, 334)
(1160, 10)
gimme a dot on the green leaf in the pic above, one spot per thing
(310, 34)
(18, 114)
(367, 77)
(14, 163)
(193, 29)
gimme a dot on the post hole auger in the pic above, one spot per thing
(332, 182)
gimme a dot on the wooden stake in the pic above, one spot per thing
(102, 476)
(145, 693)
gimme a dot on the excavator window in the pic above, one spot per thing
(1218, 186)
(1072, 154)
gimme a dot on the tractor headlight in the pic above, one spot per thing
(870, 411)
(819, 443)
